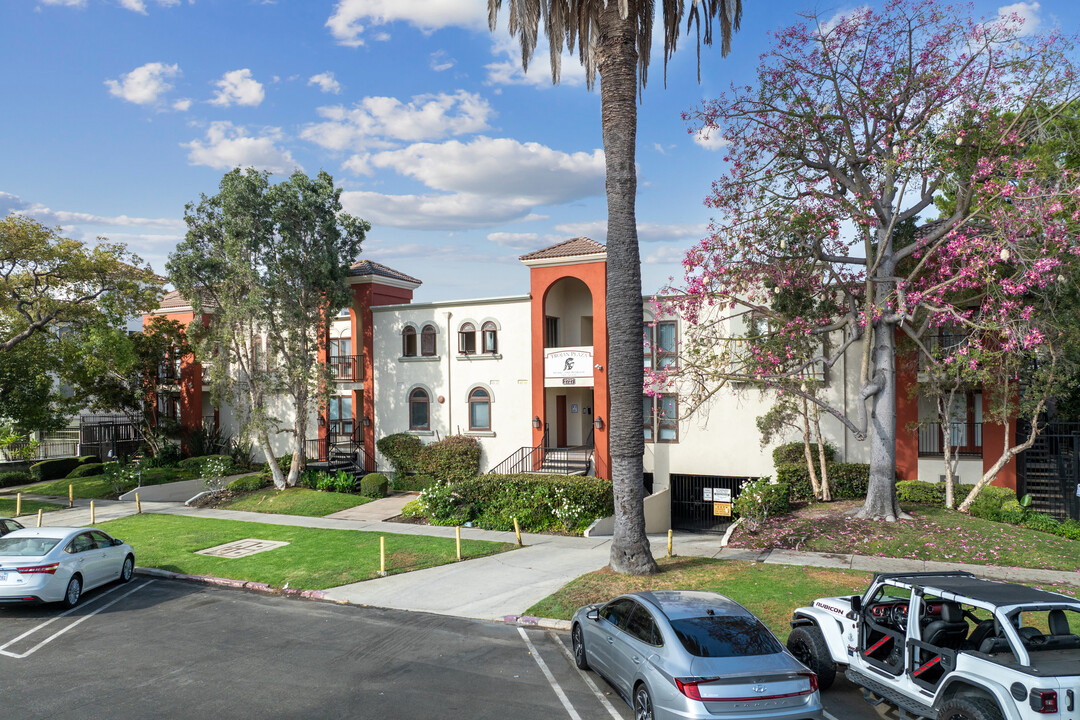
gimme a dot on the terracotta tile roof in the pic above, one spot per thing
(173, 299)
(370, 267)
(567, 248)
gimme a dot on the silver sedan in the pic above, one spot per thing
(688, 654)
(57, 564)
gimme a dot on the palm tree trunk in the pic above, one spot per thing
(617, 63)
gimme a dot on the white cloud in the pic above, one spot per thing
(500, 167)
(145, 84)
(1028, 12)
(647, 232)
(458, 211)
(326, 83)
(523, 241)
(351, 18)
(13, 203)
(65, 3)
(508, 71)
(440, 61)
(139, 6)
(710, 139)
(238, 87)
(374, 120)
(182, 105)
(227, 146)
(359, 165)
(666, 254)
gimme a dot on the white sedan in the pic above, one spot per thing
(56, 564)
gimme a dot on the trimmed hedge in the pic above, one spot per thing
(374, 485)
(920, 493)
(196, 463)
(763, 499)
(88, 459)
(413, 482)
(16, 477)
(53, 469)
(402, 450)
(87, 470)
(988, 505)
(450, 460)
(248, 483)
(847, 481)
(539, 502)
(794, 453)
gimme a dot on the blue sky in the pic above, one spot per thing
(118, 112)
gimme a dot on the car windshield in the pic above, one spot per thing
(27, 546)
(725, 636)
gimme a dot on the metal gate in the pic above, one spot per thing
(703, 503)
(110, 437)
(1050, 470)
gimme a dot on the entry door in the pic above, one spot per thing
(561, 420)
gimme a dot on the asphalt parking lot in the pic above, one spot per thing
(165, 649)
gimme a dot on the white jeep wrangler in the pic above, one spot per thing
(948, 646)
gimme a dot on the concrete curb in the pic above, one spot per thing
(536, 622)
(235, 584)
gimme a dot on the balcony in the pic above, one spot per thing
(346, 368)
(964, 438)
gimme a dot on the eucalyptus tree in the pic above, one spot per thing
(267, 263)
(615, 38)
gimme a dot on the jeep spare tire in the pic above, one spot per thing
(808, 646)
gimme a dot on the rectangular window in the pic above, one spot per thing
(666, 345)
(647, 416)
(341, 418)
(647, 343)
(551, 332)
(667, 410)
(467, 342)
(340, 347)
(427, 342)
(479, 416)
(490, 345)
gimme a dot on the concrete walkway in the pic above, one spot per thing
(508, 584)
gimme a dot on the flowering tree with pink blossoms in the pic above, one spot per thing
(821, 247)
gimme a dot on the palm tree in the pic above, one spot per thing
(615, 37)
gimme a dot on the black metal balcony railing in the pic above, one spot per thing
(964, 438)
(346, 368)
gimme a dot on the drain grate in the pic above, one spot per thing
(241, 548)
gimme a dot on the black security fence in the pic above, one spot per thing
(1050, 469)
(704, 503)
(110, 437)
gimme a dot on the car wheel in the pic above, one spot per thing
(969, 708)
(73, 592)
(128, 570)
(643, 709)
(808, 646)
(577, 640)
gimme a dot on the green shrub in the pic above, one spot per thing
(412, 509)
(88, 459)
(989, 502)
(539, 502)
(373, 485)
(413, 482)
(167, 456)
(121, 477)
(248, 483)
(450, 460)
(344, 482)
(284, 462)
(761, 500)
(192, 463)
(920, 493)
(794, 453)
(847, 481)
(198, 464)
(18, 477)
(87, 470)
(53, 469)
(402, 450)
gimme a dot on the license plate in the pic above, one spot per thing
(3, 576)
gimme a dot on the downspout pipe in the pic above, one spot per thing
(449, 377)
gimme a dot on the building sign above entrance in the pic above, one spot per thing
(568, 362)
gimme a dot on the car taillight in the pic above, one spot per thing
(1043, 701)
(38, 569)
(813, 681)
(689, 688)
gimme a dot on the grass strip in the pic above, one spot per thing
(295, 501)
(29, 508)
(771, 592)
(97, 487)
(315, 559)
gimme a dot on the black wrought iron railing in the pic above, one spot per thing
(544, 459)
(346, 368)
(522, 460)
(964, 439)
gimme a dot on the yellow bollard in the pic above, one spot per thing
(138, 504)
(39, 517)
(382, 555)
(457, 533)
(18, 504)
(517, 532)
(93, 516)
(669, 543)
(71, 496)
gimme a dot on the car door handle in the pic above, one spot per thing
(611, 640)
(636, 659)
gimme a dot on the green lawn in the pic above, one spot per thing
(97, 487)
(771, 592)
(295, 501)
(933, 534)
(314, 560)
(29, 508)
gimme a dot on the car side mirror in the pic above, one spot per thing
(117, 541)
(593, 614)
(856, 603)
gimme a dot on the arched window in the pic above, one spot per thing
(408, 341)
(491, 338)
(467, 339)
(419, 410)
(427, 341)
(479, 410)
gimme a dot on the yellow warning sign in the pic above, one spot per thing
(721, 508)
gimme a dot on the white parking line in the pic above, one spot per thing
(550, 678)
(588, 679)
(828, 715)
(58, 633)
